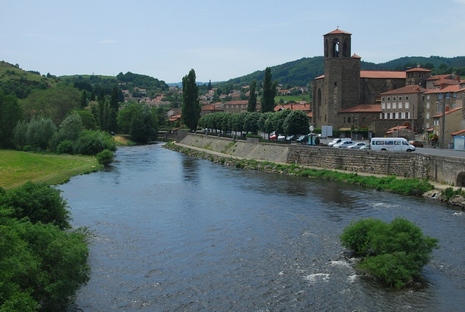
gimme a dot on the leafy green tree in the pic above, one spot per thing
(394, 253)
(55, 103)
(69, 129)
(10, 114)
(269, 92)
(113, 110)
(92, 142)
(295, 123)
(251, 122)
(84, 99)
(37, 203)
(34, 135)
(190, 101)
(88, 119)
(143, 125)
(252, 102)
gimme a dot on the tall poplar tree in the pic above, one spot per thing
(252, 103)
(190, 101)
(269, 92)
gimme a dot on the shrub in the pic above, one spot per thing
(105, 157)
(65, 147)
(394, 253)
(38, 203)
(92, 142)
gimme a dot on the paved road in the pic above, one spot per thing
(440, 152)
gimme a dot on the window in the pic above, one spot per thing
(406, 98)
(383, 105)
(427, 105)
(400, 98)
(388, 105)
(393, 98)
(394, 106)
(406, 115)
(400, 105)
(407, 105)
(389, 98)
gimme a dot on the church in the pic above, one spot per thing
(346, 97)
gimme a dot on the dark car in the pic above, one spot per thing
(416, 143)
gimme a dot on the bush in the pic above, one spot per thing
(93, 142)
(394, 253)
(65, 147)
(105, 157)
(38, 203)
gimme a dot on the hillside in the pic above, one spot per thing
(303, 71)
(21, 83)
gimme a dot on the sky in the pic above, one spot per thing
(219, 39)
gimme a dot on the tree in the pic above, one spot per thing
(143, 126)
(38, 203)
(113, 110)
(251, 122)
(269, 92)
(295, 123)
(252, 102)
(84, 99)
(10, 114)
(190, 101)
(394, 253)
(209, 86)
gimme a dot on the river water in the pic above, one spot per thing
(176, 233)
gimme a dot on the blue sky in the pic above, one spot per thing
(218, 39)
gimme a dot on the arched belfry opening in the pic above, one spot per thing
(335, 48)
(460, 179)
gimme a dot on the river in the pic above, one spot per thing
(176, 233)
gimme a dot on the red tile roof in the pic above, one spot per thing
(448, 112)
(410, 89)
(418, 69)
(293, 106)
(383, 74)
(338, 31)
(446, 89)
(458, 132)
(363, 108)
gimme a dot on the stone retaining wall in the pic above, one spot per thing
(447, 170)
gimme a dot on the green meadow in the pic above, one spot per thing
(17, 167)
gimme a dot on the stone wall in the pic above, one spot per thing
(446, 170)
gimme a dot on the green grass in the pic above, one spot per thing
(17, 167)
(295, 98)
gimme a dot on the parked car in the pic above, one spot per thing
(303, 139)
(291, 137)
(281, 137)
(343, 144)
(273, 136)
(357, 145)
(416, 143)
(334, 141)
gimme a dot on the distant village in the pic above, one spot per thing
(413, 103)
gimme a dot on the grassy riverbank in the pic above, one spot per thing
(17, 167)
(410, 187)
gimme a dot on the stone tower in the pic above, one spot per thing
(341, 87)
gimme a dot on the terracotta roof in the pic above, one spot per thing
(458, 132)
(437, 77)
(338, 31)
(293, 106)
(446, 89)
(418, 69)
(378, 74)
(363, 108)
(448, 112)
(410, 89)
(238, 102)
(383, 74)
(356, 56)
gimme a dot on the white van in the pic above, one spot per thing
(391, 144)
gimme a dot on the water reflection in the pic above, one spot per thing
(174, 233)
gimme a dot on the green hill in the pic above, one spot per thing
(22, 83)
(302, 72)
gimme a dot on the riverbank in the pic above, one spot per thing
(406, 186)
(17, 168)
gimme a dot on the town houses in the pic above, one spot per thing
(411, 103)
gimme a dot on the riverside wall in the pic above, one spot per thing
(445, 170)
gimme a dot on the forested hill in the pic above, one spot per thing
(303, 71)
